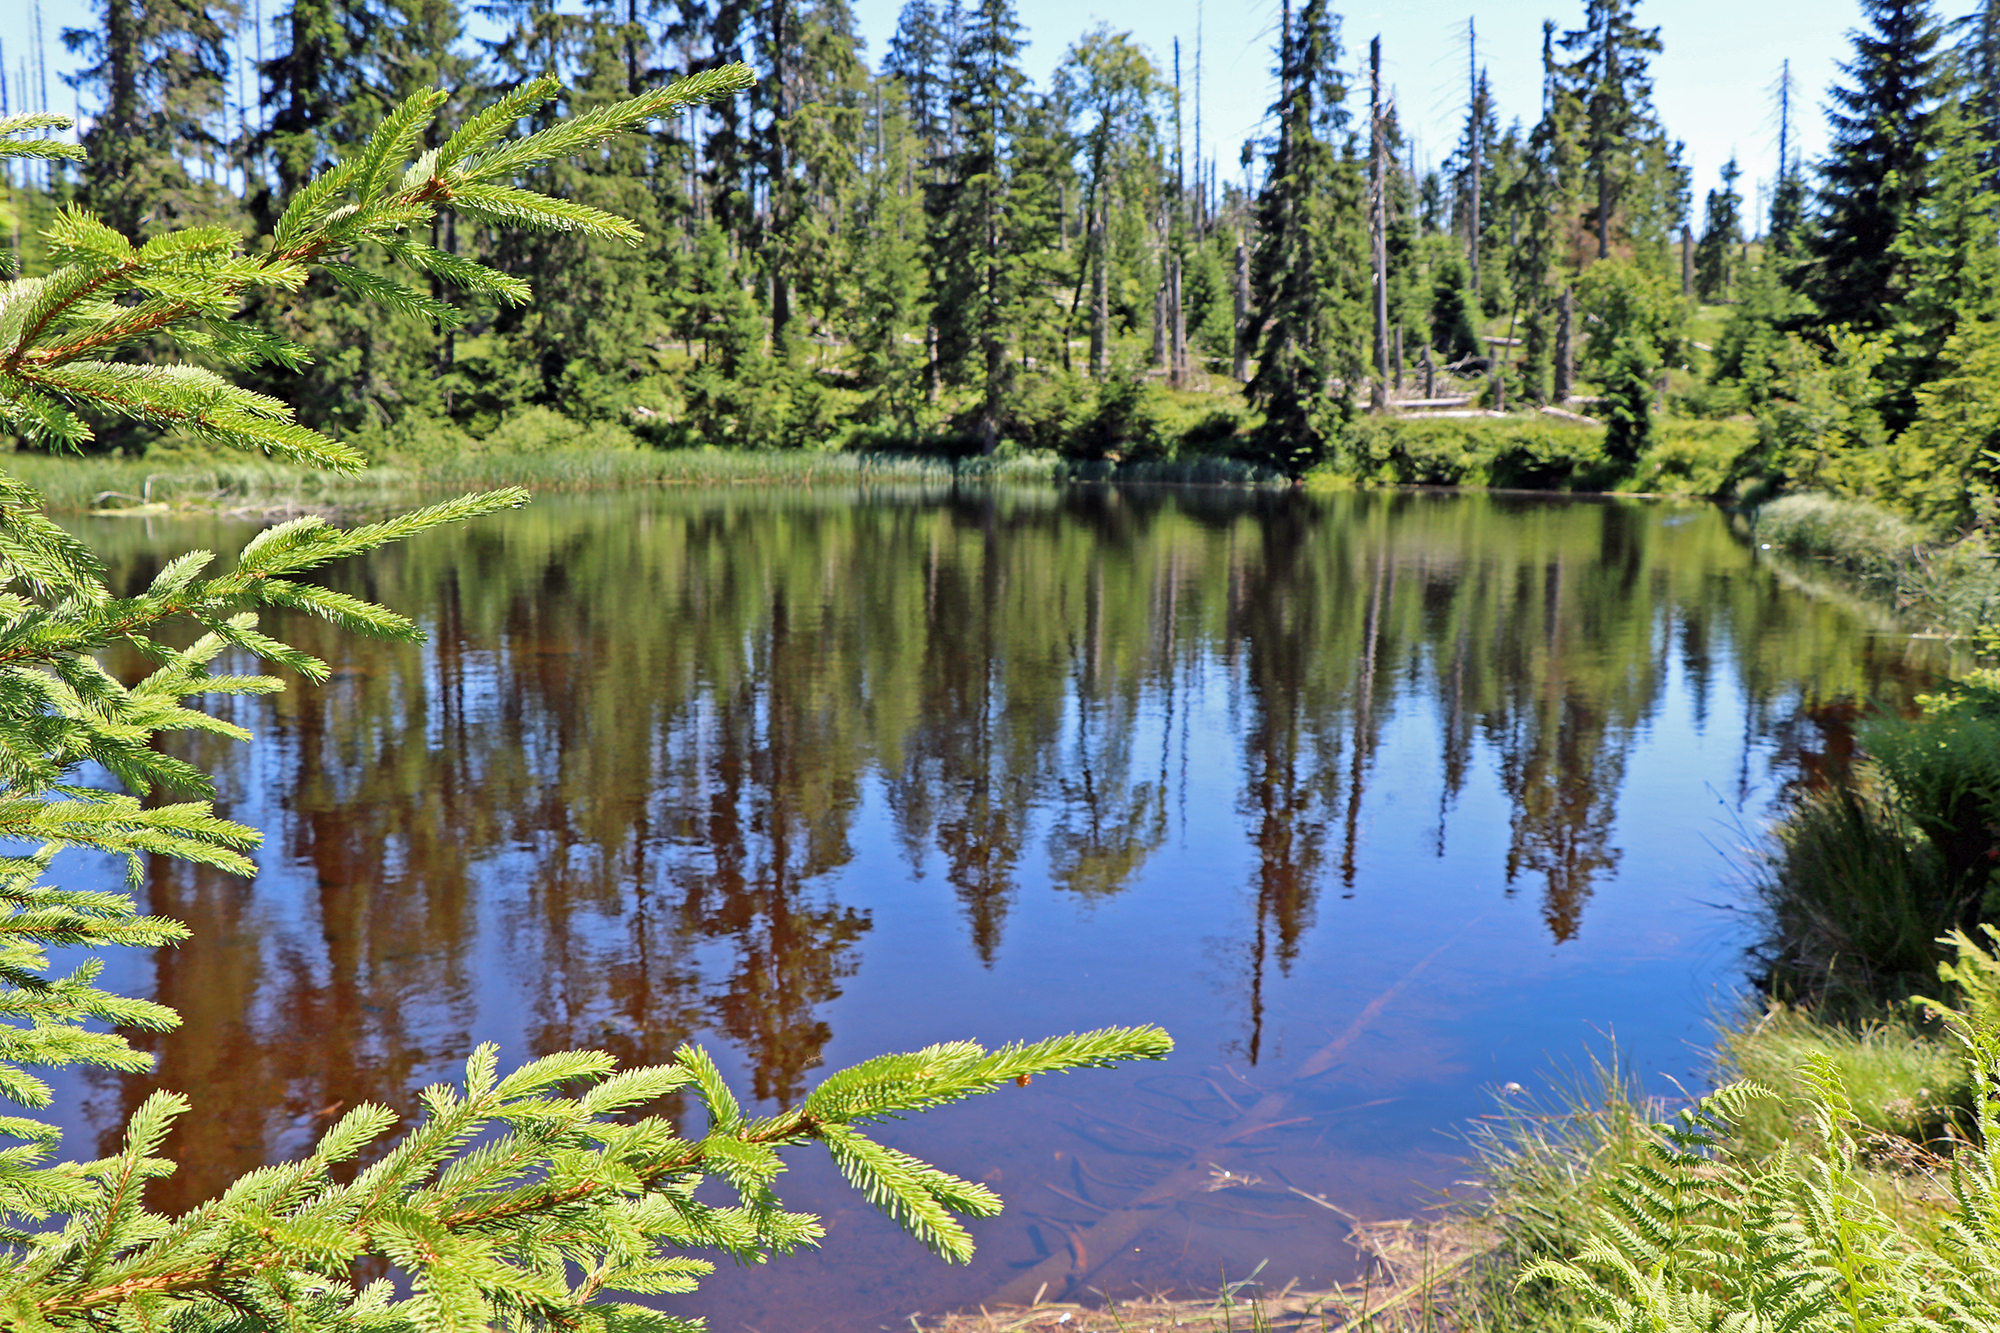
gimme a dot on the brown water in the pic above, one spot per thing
(1436, 789)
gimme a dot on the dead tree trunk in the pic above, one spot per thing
(1565, 351)
(1240, 365)
(1378, 217)
(1100, 300)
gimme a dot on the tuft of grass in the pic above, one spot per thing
(1854, 899)
(1863, 538)
(1539, 1166)
(1905, 1085)
(1951, 585)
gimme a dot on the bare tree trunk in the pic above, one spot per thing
(1179, 373)
(1240, 366)
(1160, 322)
(1399, 358)
(1430, 373)
(930, 364)
(1687, 261)
(1565, 323)
(779, 182)
(1473, 136)
(1100, 300)
(1378, 220)
(1602, 149)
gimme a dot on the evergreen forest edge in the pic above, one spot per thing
(935, 256)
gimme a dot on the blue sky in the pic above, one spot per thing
(1712, 83)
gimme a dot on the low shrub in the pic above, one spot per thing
(1526, 452)
(1695, 457)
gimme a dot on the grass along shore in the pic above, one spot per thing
(151, 485)
(1945, 582)
(543, 452)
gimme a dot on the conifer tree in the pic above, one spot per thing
(1609, 81)
(1947, 247)
(516, 1202)
(977, 269)
(1978, 56)
(311, 82)
(813, 160)
(1308, 304)
(160, 67)
(1475, 191)
(1541, 195)
(1874, 175)
(883, 248)
(1108, 81)
(919, 56)
(1721, 236)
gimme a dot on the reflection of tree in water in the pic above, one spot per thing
(1562, 779)
(608, 801)
(761, 822)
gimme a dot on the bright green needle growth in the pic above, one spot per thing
(521, 1201)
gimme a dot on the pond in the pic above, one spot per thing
(1377, 802)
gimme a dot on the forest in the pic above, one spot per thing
(930, 253)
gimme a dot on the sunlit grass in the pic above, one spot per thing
(77, 484)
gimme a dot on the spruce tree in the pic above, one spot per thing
(919, 56)
(1608, 77)
(519, 1201)
(1108, 82)
(1875, 172)
(1307, 277)
(1949, 247)
(1542, 196)
(1978, 56)
(1721, 237)
(882, 246)
(976, 264)
(159, 68)
(312, 82)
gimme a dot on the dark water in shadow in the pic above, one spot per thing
(809, 776)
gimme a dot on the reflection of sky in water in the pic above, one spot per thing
(808, 783)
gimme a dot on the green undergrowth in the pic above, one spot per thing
(1949, 582)
(1868, 871)
(1547, 1170)
(1843, 1174)
(1525, 451)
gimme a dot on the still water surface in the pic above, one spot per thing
(1423, 792)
